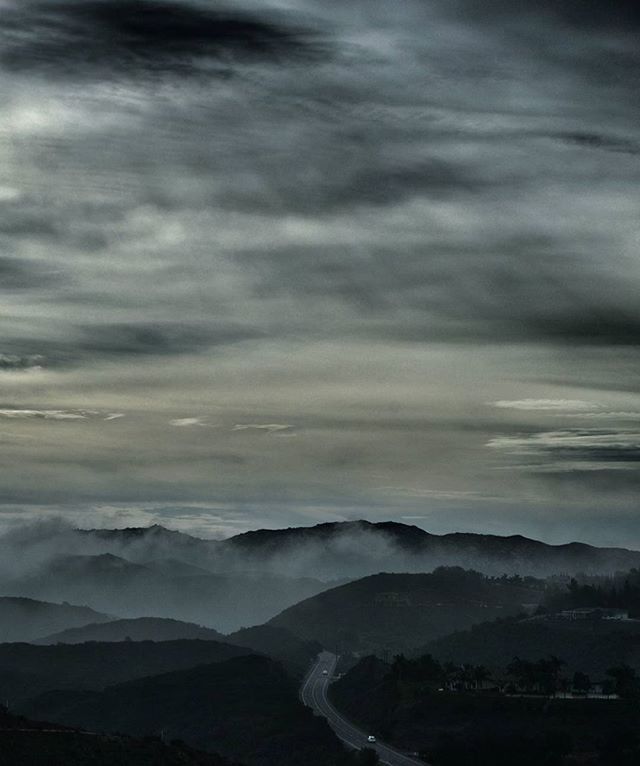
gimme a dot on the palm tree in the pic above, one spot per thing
(480, 675)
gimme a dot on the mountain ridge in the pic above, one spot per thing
(358, 548)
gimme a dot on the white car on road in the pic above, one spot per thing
(371, 738)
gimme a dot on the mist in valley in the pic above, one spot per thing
(249, 579)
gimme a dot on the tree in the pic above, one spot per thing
(581, 682)
(480, 674)
(627, 683)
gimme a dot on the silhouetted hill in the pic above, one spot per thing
(140, 629)
(590, 646)
(27, 669)
(170, 567)
(246, 708)
(400, 611)
(293, 652)
(36, 743)
(25, 619)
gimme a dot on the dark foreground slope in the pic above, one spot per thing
(397, 612)
(27, 670)
(33, 743)
(295, 653)
(406, 704)
(246, 708)
(590, 646)
(24, 619)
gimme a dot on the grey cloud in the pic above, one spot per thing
(157, 339)
(188, 422)
(23, 274)
(20, 362)
(366, 179)
(574, 449)
(15, 413)
(599, 141)
(547, 405)
(121, 340)
(523, 289)
(103, 38)
(270, 428)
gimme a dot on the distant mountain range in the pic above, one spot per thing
(248, 579)
(352, 549)
(357, 548)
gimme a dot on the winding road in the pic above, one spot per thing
(314, 695)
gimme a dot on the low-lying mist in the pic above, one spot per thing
(248, 579)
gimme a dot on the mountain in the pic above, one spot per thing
(396, 612)
(328, 552)
(358, 548)
(296, 654)
(589, 646)
(27, 669)
(165, 588)
(170, 567)
(139, 629)
(24, 619)
(36, 743)
(246, 708)
(143, 544)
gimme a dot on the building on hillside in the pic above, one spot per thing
(593, 613)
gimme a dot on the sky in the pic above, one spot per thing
(281, 262)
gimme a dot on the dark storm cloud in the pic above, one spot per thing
(87, 345)
(19, 222)
(22, 274)
(573, 449)
(522, 289)
(589, 324)
(598, 141)
(105, 37)
(366, 179)
(159, 339)
(580, 14)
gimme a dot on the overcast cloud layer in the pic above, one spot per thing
(269, 263)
